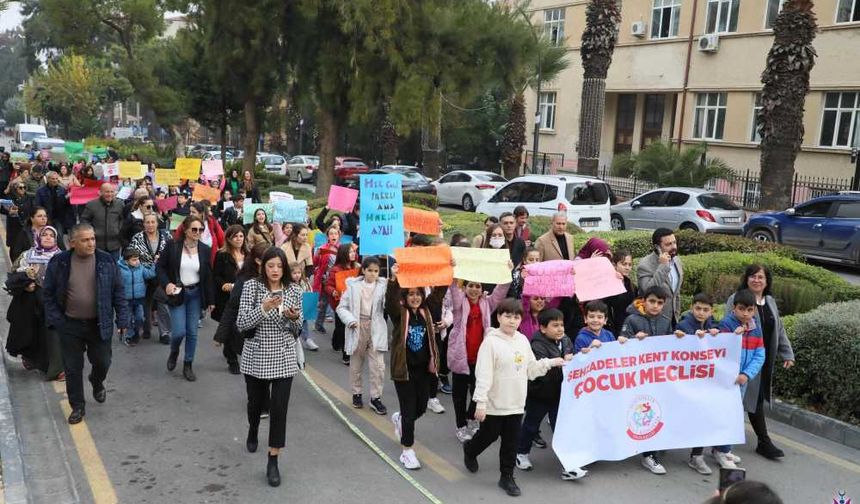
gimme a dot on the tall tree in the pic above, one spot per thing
(598, 43)
(786, 84)
(13, 61)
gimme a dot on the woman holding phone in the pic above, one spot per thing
(272, 312)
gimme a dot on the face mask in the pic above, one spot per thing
(497, 242)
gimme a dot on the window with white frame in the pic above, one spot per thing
(774, 7)
(710, 118)
(840, 125)
(547, 111)
(722, 16)
(755, 136)
(553, 25)
(664, 18)
(848, 11)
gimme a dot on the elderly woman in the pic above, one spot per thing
(27, 236)
(18, 213)
(150, 243)
(133, 222)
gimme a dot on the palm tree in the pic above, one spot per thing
(598, 42)
(786, 83)
(666, 166)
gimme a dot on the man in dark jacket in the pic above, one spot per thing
(234, 214)
(83, 293)
(54, 199)
(104, 214)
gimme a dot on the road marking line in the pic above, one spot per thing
(844, 464)
(394, 465)
(94, 468)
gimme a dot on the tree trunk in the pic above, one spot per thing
(432, 162)
(777, 164)
(590, 125)
(515, 137)
(178, 141)
(249, 142)
(328, 134)
(224, 140)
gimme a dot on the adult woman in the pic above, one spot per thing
(233, 183)
(261, 231)
(250, 187)
(298, 250)
(758, 280)
(269, 360)
(67, 180)
(18, 213)
(186, 276)
(29, 336)
(623, 261)
(86, 173)
(212, 235)
(150, 244)
(479, 240)
(133, 222)
(26, 238)
(228, 262)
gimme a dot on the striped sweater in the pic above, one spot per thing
(752, 345)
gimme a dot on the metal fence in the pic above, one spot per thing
(548, 163)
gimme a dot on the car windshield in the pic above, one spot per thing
(312, 159)
(26, 136)
(353, 162)
(489, 177)
(412, 176)
(717, 201)
(586, 193)
(274, 160)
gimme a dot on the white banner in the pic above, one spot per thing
(660, 393)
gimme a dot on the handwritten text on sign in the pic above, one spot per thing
(421, 221)
(549, 279)
(596, 279)
(381, 216)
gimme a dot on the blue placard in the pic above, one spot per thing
(291, 211)
(345, 239)
(309, 305)
(381, 214)
(319, 239)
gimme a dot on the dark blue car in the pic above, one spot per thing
(826, 228)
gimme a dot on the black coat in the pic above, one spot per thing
(548, 387)
(224, 271)
(168, 269)
(227, 332)
(618, 306)
(14, 225)
(26, 319)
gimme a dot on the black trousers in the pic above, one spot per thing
(258, 394)
(229, 354)
(758, 420)
(77, 337)
(337, 336)
(508, 428)
(461, 385)
(442, 347)
(412, 396)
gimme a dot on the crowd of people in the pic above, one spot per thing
(83, 274)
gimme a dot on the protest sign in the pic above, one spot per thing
(549, 279)
(166, 204)
(381, 214)
(166, 177)
(213, 168)
(73, 148)
(310, 300)
(596, 279)
(421, 221)
(660, 393)
(93, 183)
(188, 168)
(131, 170)
(251, 209)
(424, 266)
(482, 265)
(342, 199)
(110, 170)
(319, 239)
(346, 239)
(82, 195)
(276, 196)
(176, 220)
(124, 192)
(291, 211)
(341, 276)
(204, 192)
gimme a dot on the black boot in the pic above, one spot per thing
(251, 443)
(171, 360)
(273, 475)
(507, 483)
(188, 373)
(768, 450)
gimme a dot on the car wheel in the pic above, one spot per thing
(468, 204)
(617, 222)
(688, 226)
(762, 235)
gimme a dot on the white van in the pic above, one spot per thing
(585, 199)
(25, 134)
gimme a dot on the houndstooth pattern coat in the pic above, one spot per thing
(271, 353)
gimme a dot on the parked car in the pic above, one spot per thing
(680, 208)
(303, 168)
(216, 154)
(412, 180)
(825, 228)
(585, 199)
(200, 150)
(467, 188)
(348, 168)
(274, 163)
(43, 143)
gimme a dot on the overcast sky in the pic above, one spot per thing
(11, 17)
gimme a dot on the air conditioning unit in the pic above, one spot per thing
(709, 42)
(637, 29)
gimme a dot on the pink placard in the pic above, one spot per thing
(213, 168)
(596, 278)
(167, 204)
(83, 195)
(549, 279)
(342, 198)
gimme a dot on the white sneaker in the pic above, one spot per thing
(574, 474)
(409, 460)
(473, 426)
(724, 461)
(523, 462)
(435, 406)
(464, 434)
(731, 456)
(652, 465)
(398, 429)
(697, 462)
(310, 344)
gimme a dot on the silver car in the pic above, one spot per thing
(680, 208)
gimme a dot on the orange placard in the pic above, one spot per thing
(421, 221)
(424, 266)
(341, 276)
(204, 192)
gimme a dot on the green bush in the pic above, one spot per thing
(826, 345)
(424, 200)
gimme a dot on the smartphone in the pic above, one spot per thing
(728, 477)
(276, 294)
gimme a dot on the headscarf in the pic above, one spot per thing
(39, 254)
(591, 246)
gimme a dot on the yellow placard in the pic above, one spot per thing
(131, 169)
(188, 168)
(482, 265)
(166, 177)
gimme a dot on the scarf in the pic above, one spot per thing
(39, 254)
(591, 246)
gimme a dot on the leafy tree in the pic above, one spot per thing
(786, 84)
(13, 109)
(663, 164)
(13, 61)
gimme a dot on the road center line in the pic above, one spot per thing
(832, 459)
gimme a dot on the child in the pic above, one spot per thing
(414, 358)
(544, 393)
(623, 261)
(505, 364)
(323, 260)
(532, 306)
(594, 333)
(297, 273)
(134, 277)
(516, 290)
(362, 311)
(343, 261)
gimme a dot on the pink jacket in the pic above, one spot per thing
(457, 360)
(529, 326)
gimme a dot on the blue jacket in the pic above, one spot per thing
(752, 345)
(134, 279)
(109, 292)
(585, 337)
(690, 325)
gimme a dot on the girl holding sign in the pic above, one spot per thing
(261, 231)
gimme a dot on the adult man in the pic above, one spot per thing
(516, 246)
(663, 267)
(556, 243)
(53, 198)
(83, 290)
(104, 214)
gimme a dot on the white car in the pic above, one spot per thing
(303, 168)
(274, 163)
(467, 188)
(585, 199)
(216, 155)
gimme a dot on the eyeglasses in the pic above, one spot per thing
(196, 229)
(148, 206)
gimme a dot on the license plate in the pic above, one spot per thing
(589, 223)
(731, 220)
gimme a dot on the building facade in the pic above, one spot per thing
(689, 71)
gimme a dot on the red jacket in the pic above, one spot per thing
(321, 261)
(217, 237)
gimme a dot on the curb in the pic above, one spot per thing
(813, 423)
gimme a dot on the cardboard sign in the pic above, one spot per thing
(82, 195)
(166, 204)
(165, 177)
(549, 279)
(424, 266)
(421, 221)
(188, 168)
(291, 211)
(341, 276)
(482, 265)
(342, 199)
(596, 279)
(176, 221)
(310, 300)
(213, 168)
(381, 214)
(110, 170)
(131, 170)
(204, 192)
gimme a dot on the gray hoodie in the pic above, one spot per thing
(639, 321)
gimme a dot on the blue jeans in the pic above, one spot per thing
(305, 333)
(137, 317)
(535, 411)
(183, 322)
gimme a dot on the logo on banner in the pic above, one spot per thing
(841, 498)
(644, 418)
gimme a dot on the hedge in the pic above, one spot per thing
(826, 343)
